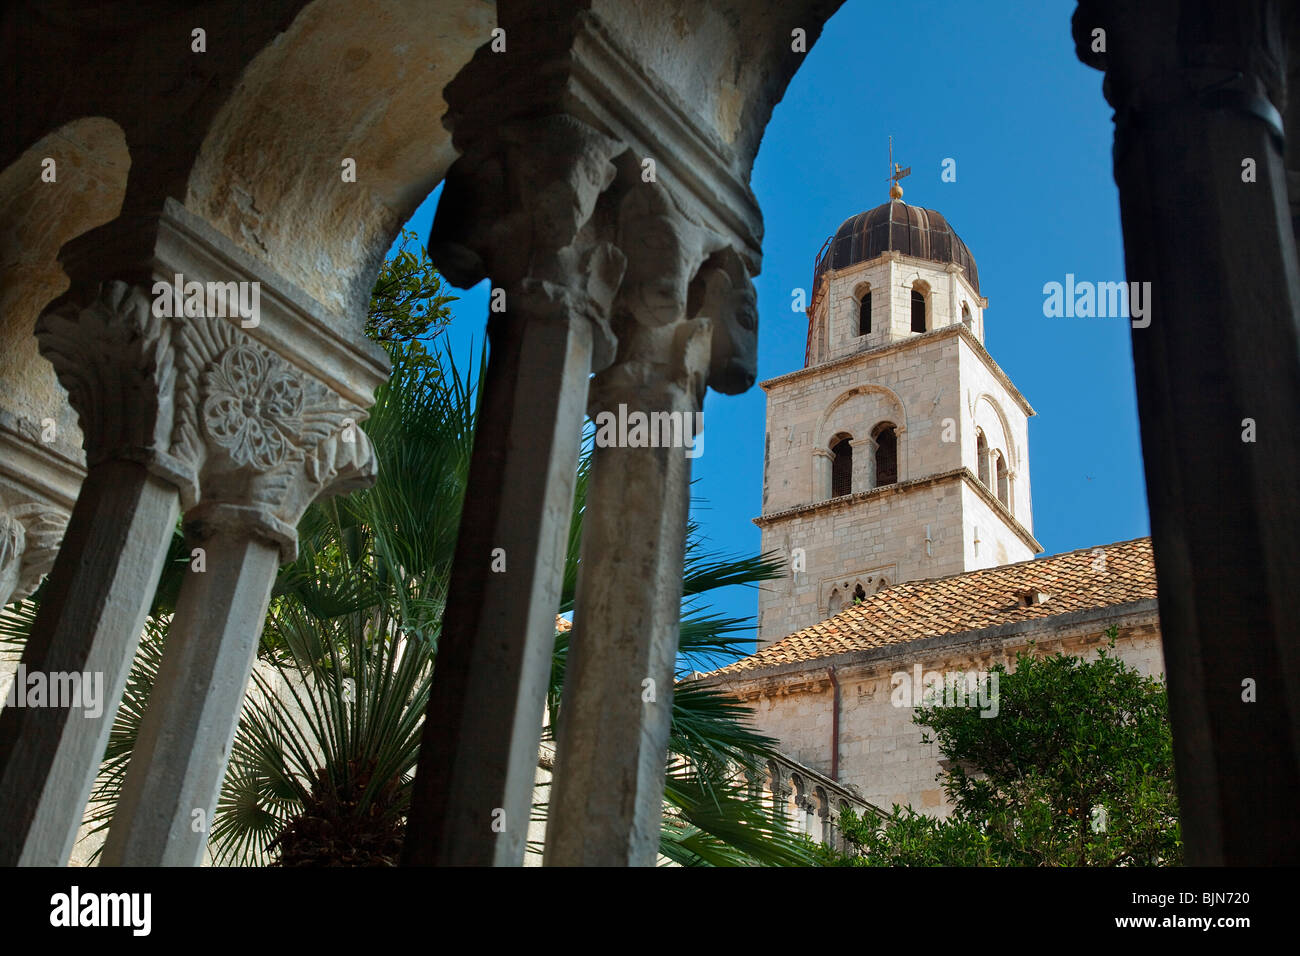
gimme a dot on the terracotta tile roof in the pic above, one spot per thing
(970, 601)
(563, 624)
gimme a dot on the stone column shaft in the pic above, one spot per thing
(823, 461)
(94, 607)
(612, 743)
(164, 813)
(686, 319)
(864, 463)
(1194, 85)
(478, 756)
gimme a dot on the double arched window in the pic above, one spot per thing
(1001, 475)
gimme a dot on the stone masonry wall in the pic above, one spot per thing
(880, 748)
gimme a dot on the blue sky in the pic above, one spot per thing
(996, 87)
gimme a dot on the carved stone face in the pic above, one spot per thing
(728, 298)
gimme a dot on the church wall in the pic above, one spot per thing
(881, 751)
(997, 543)
(884, 535)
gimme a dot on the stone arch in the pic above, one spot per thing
(772, 786)
(845, 591)
(857, 409)
(854, 412)
(796, 801)
(997, 429)
(344, 80)
(821, 806)
(91, 165)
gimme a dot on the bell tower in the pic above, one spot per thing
(899, 451)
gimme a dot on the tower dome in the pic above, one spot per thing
(896, 226)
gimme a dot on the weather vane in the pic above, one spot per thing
(896, 172)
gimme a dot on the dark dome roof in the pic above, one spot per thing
(911, 230)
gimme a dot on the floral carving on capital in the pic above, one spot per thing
(266, 437)
(253, 406)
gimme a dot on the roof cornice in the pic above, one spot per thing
(956, 474)
(914, 341)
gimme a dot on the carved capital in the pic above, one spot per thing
(1174, 54)
(660, 368)
(665, 249)
(265, 438)
(116, 360)
(520, 206)
(248, 438)
(30, 535)
(677, 269)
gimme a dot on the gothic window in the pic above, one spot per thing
(886, 454)
(918, 310)
(841, 467)
(982, 457)
(966, 317)
(835, 603)
(864, 314)
(1004, 490)
(859, 594)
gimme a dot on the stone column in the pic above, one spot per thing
(519, 206)
(1198, 159)
(270, 439)
(114, 358)
(822, 462)
(781, 803)
(864, 463)
(675, 335)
